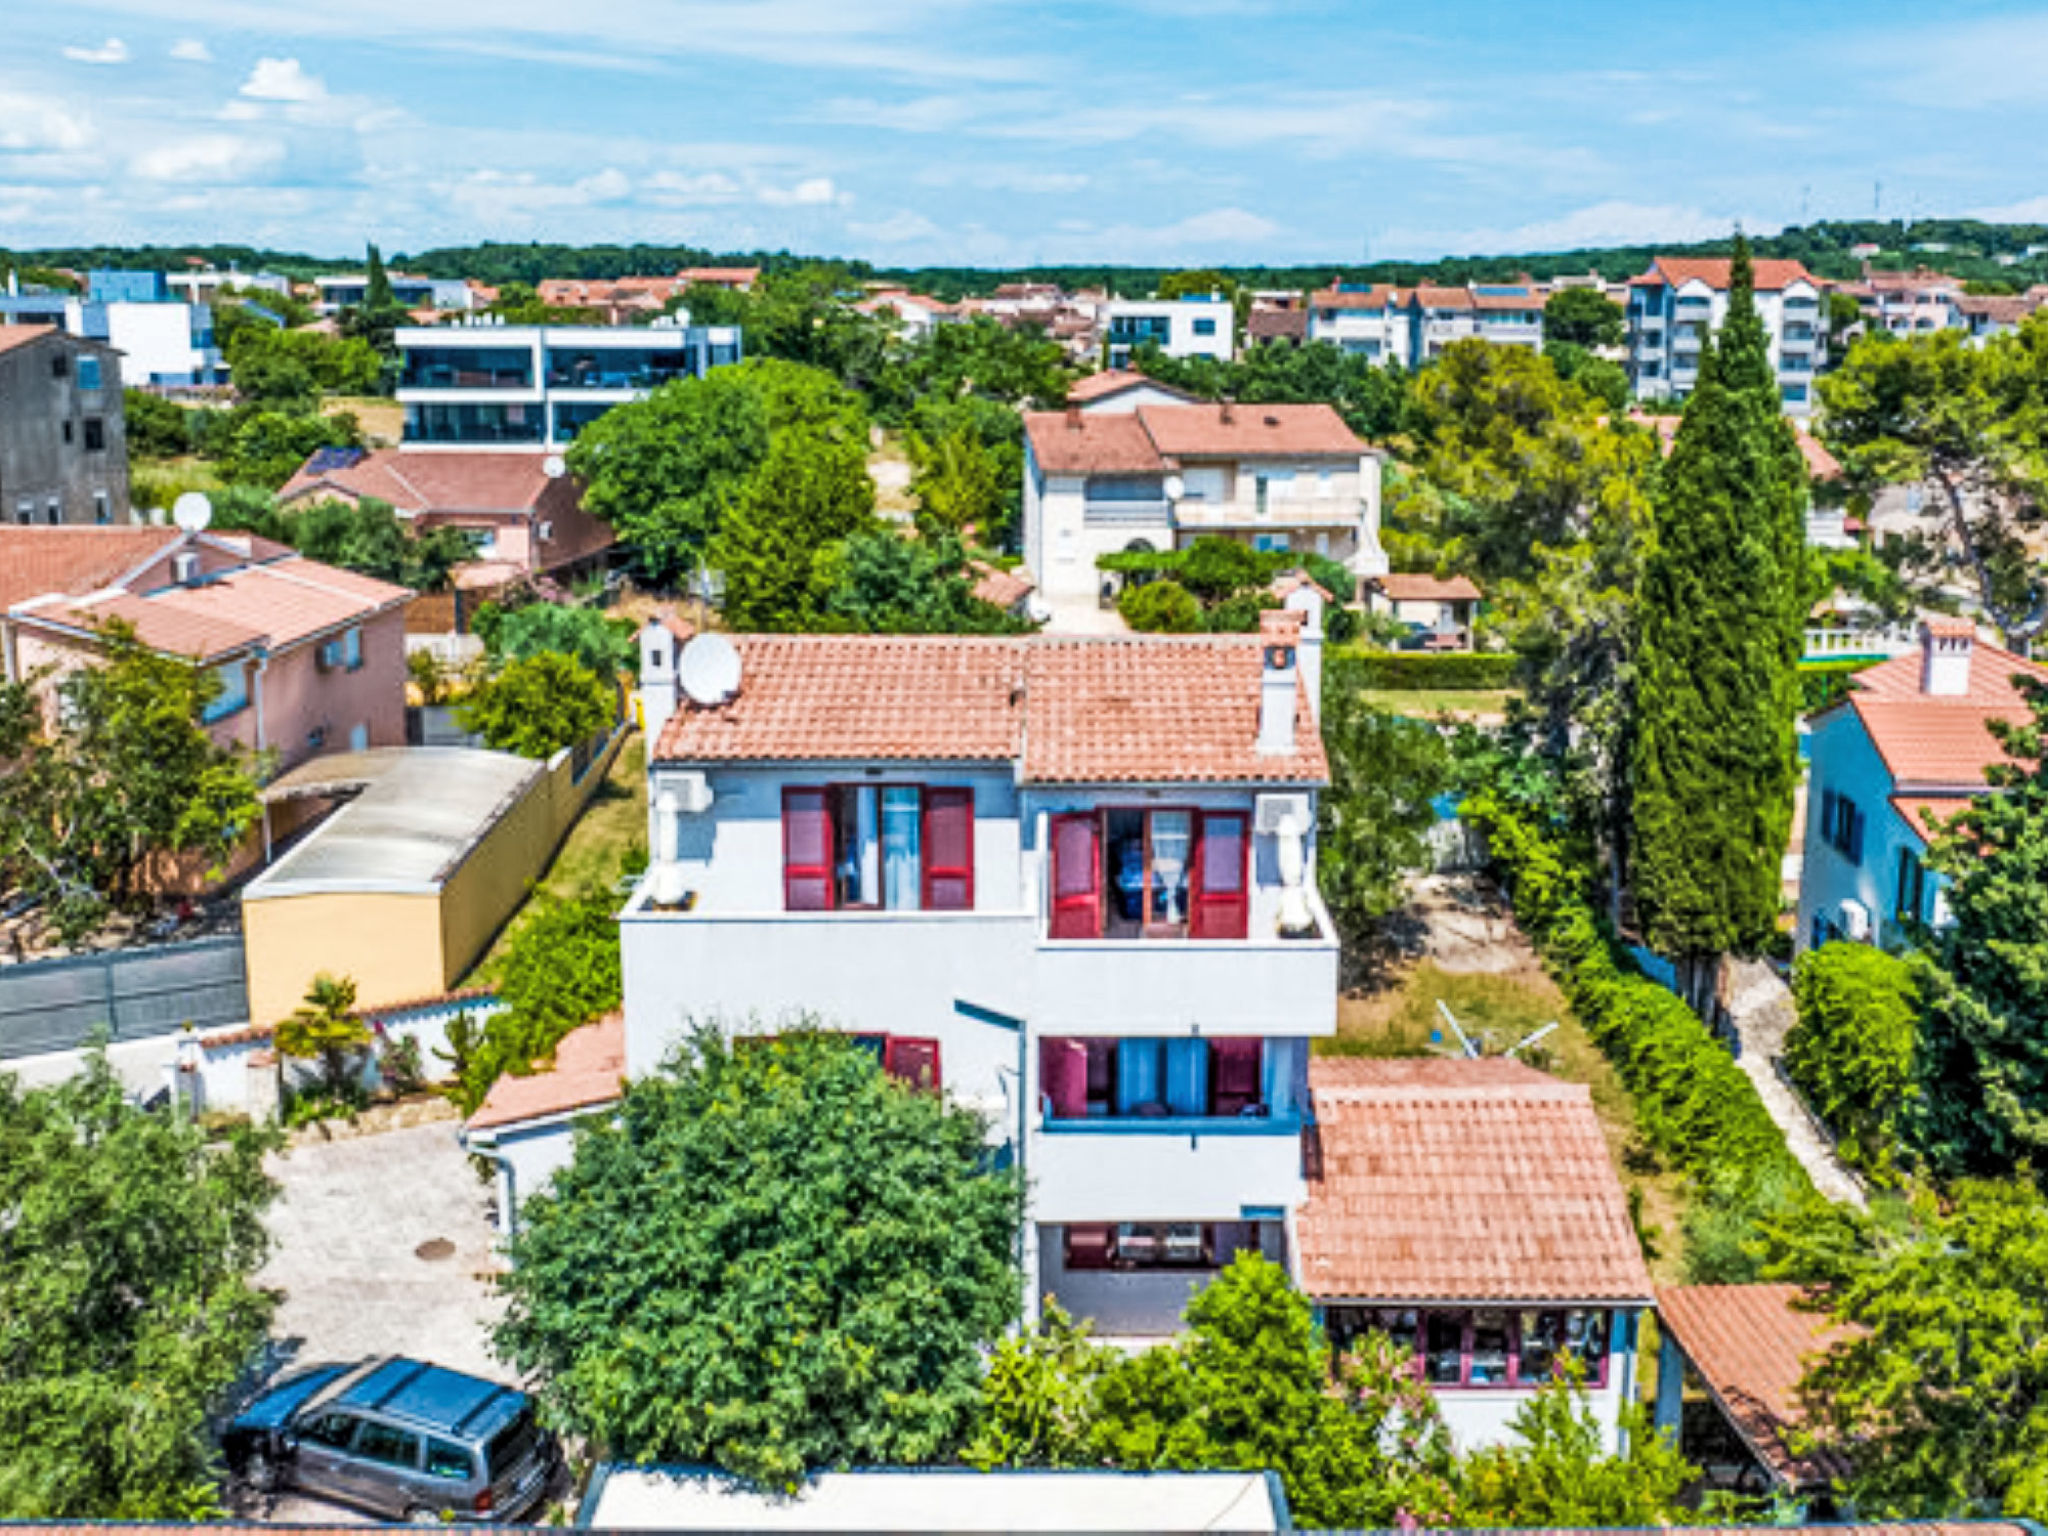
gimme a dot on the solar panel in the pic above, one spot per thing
(327, 460)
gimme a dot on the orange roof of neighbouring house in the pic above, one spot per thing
(436, 481)
(1462, 1180)
(35, 562)
(12, 336)
(1142, 441)
(1422, 587)
(1750, 1347)
(1932, 741)
(1121, 709)
(1099, 386)
(1378, 296)
(589, 1070)
(1913, 810)
(1716, 272)
(995, 585)
(1072, 442)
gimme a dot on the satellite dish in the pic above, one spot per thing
(1175, 487)
(192, 512)
(554, 466)
(710, 671)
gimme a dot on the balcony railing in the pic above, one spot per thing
(1121, 513)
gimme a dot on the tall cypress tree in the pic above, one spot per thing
(1721, 604)
(377, 294)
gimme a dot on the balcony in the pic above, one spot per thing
(1126, 513)
(1194, 515)
(1113, 1278)
(1081, 1171)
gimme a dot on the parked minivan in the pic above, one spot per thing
(406, 1439)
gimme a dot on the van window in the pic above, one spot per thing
(331, 1429)
(512, 1445)
(446, 1459)
(389, 1444)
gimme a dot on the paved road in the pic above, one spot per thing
(1764, 1013)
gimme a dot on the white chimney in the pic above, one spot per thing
(1279, 635)
(1946, 648)
(660, 654)
(1307, 600)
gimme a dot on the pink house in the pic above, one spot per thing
(310, 658)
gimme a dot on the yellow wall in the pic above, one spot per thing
(390, 945)
(398, 947)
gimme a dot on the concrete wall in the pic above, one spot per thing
(1151, 1171)
(39, 465)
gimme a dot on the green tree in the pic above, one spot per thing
(380, 314)
(773, 1258)
(1369, 395)
(1385, 772)
(1557, 1471)
(1971, 422)
(128, 1239)
(377, 292)
(1160, 608)
(1983, 1069)
(325, 1028)
(559, 971)
(955, 482)
(539, 705)
(1938, 1382)
(1852, 1049)
(1722, 605)
(890, 584)
(1583, 317)
(662, 470)
(1038, 1398)
(779, 538)
(121, 774)
(156, 428)
(601, 642)
(265, 448)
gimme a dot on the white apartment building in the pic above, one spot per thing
(1070, 883)
(1367, 318)
(1189, 327)
(1125, 473)
(1679, 300)
(1410, 327)
(348, 290)
(535, 387)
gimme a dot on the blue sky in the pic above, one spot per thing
(1009, 131)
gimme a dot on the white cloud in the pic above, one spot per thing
(211, 159)
(812, 192)
(2031, 210)
(112, 51)
(897, 229)
(282, 80)
(32, 123)
(683, 189)
(1600, 224)
(191, 50)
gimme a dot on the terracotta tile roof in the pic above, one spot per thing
(1073, 443)
(1004, 588)
(73, 561)
(1915, 809)
(1250, 431)
(1276, 325)
(1714, 271)
(589, 1070)
(1421, 587)
(731, 277)
(1378, 296)
(434, 481)
(1432, 296)
(12, 336)
(2000, 309)
(1932, 741)
(1124, 709)
(1460, 1180)
(1481, 299)
(1750, 1347)
(1099, 386)
(1143, 710)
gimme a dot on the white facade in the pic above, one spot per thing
(1372, 322)
(533, 387)
(163, 343)
(1179, 327)
(1668, 321)
(339, 291)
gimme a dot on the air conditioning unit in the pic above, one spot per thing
(185, 568)
(692, 791)
(1854, 920)
(1273, 810)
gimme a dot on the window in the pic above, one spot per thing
(88, 373)
(1128, 873)
(60, 366)
(53, 511)
(445, 1459)
(333, 1430)
(1912, 896)
(68, 433)
(1180, 1077)
(233, 696)
(1156, 1245)
(352, 650)
(1841, 825)
(1205, 327)
(1485, 1346)
(102, 508)
(910, 1059)
(25, 511)
(893, 847)
(387, 1443)
(1271, 543)
(95, 435)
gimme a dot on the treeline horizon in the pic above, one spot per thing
(1971, 249)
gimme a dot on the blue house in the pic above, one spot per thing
(1904, 752)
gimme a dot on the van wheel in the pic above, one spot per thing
(260, 1472)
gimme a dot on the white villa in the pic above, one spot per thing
(1673, 306)
(1139, 468)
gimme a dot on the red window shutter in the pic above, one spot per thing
(806, 851)
(1076, 878)
(911, 1060)
(1222, 905)
(1236, 1077)
(1063, 1077)
(1088, 1247)
(948, 850)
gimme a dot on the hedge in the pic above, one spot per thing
(1696, 1107)
(1460, 671)
(1851, 1053)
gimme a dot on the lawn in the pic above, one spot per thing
(1464, 703)
(1497, 1010)
(612, 825)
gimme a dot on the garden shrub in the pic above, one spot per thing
(1161, 608)
(1446, 670)
(1851, 1053)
